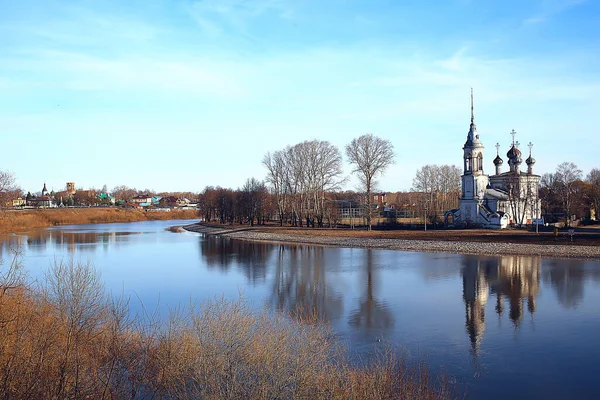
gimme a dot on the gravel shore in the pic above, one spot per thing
(430, 246)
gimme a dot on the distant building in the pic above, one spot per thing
(45, 200)
(106, 198)
(71, 188)
(19, 202)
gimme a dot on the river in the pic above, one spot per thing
(500, 327)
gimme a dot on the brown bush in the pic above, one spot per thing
(67, 339)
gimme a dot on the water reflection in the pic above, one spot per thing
(568, 281)
(300, 286)
(371, 313)
(443, 304)
(70, 241)
(512, 279)
(250, 257)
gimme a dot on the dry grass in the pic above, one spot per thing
(67, 339)
(13, 221)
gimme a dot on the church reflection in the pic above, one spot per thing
(513, 280)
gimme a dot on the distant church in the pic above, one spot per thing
(506, 198)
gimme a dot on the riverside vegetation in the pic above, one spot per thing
(66, 338)
(11, 221)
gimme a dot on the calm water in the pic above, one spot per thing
(501, 327)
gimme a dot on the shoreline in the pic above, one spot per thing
(16, 221)
(591, 253)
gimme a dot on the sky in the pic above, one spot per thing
(176, 95)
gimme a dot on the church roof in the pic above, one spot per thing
(495, 193)
(472, 136)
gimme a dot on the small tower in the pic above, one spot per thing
(498, 161)
(530, 160)
(71, 188)
(44, 190)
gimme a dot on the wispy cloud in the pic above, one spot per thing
(216, 17)
(551, 8)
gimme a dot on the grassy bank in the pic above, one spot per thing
(14, 221)
(67, 339)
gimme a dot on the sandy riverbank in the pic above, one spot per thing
(450, 245)
(20, 220)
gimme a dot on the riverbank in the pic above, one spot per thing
(474, 241)
(22, 220)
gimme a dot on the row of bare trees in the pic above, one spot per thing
(251, 203)
(440, 188)
(564, 193)
(301, 175)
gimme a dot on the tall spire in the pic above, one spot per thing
(472, 116)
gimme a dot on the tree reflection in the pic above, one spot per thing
(250, 257)
(300, 286)
(215, 251)
(568, 280)
(371, 314)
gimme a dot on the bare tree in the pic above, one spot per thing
(439, 186)
(299, 176)
(370, 156)
(522, 197)
(567, 174)
(124, 193)
(252, 198)
(277, 177)
(593, 178)
(7, 187)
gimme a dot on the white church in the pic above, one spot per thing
(496, 201)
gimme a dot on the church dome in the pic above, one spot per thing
(498, 161)
(530, 160)
(513, 153)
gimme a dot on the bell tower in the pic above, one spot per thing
(474, 181)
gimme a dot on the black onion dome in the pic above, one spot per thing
(513, 153)
(498, 161)
(530, 160)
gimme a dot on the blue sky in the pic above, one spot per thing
(177, 95)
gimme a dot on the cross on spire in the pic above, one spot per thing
(472, 117)
(517, 144)
(513, 133)
(497, 149)
(530, 145)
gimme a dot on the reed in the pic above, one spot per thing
(66, 338)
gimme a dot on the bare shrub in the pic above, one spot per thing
(68, 339)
